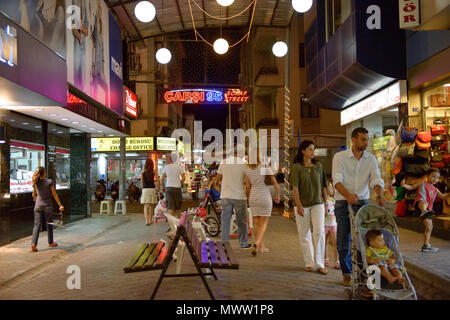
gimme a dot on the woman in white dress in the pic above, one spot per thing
(260, 201)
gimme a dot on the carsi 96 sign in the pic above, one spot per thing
(208, 96)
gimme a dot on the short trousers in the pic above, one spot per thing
(173, 198)
(428, 215)
(329, 229)
(384, 264)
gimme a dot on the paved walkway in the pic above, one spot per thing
(102, 245)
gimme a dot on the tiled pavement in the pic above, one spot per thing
(102, 245)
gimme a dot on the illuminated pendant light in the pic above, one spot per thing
(145, 11)
(225, 3)
(221, 46)
(163, 56)
(302, 5)
(280, 49)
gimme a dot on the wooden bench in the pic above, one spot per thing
(204, 254)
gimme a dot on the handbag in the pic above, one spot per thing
(397, 167)
(422, 145)
(436, 156)
(407, 149)
(59, 219)
(438, 164)
(446, 158)
(414, 167)
(419, 153)
(424, 136)
(438, 129)
(408, 134)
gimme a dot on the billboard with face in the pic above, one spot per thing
(44, 19)
(91, 50)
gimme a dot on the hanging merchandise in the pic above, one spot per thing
(423, 145)
(408, 134)
(401, 208)
(437, 129)
(416, 167)
(397, 166)
(407, 149)
(424, 136)
(421, 153)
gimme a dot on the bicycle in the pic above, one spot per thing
(210, 224)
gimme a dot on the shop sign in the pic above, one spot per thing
(409, 12)
(166, 144)
(130, 103)
(8, 46)
(379, 101)
(380, 143)
(113, 144)
(320, 152)
(207, 96)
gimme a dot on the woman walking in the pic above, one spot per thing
(309, 185)
(148, 197)
(260, 201)
(43, 194)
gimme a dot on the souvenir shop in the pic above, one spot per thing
(422, 145)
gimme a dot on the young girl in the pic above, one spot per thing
(331, 226)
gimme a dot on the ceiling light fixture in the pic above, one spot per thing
(38, 110)
(163, 55)
(280, 49)
(302, 5)
(53, 114)
(221, 46)
(145, 11)
(225, 3)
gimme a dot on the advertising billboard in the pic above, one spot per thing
(94, 52)
(43, 19)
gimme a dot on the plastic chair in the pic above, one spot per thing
(105, 207)
(123, 207)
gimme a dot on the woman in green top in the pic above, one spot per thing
(308, 182)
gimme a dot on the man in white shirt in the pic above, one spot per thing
(231, 174)
(354, 171)
(173, 171)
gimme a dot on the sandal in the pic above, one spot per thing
(52, 245)
(337, 265)
(308, 269)
(254, 251)
(33, 248)
(326, 262)
(323, 271)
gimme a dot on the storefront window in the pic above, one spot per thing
(337, 11)
(59, 155)
(25, 158)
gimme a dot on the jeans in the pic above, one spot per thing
(314, 215)
(41, 216)
(241, 219)
(344, 239)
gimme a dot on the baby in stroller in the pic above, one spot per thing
(378, 253)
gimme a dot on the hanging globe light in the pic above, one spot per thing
(302, 5)
(163, 56)
(145, 11)
(225, 3)
(280, 49)
(221, 46)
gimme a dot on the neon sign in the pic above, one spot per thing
(8, 46)
(207, 96)
(130, 103)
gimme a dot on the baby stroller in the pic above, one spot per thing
(367, 218)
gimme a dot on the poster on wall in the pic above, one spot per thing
(45, 19)
(91, 50)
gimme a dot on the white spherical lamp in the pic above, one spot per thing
(221, 46)
(302, 5)
(163, 56)
(145, 11)
(225, 3)
(280, 49)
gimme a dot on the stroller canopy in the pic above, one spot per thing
(374, 217)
